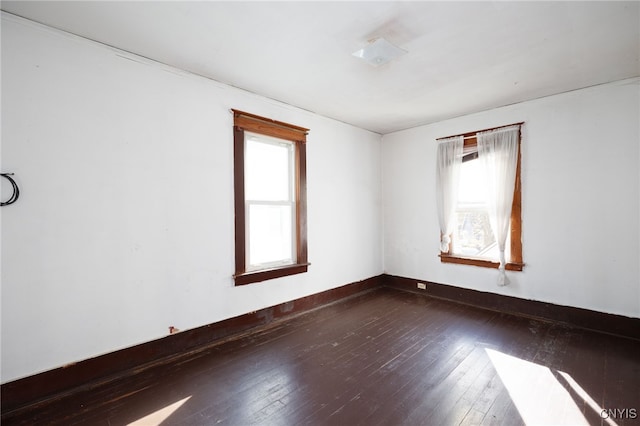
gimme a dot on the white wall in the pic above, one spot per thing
(125, 222)
(580, 192)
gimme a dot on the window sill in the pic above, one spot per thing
(448, 258)
(268, 274)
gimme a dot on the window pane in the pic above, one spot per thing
(473, 235)
(472, 183)
(267, 168)
(270, 237)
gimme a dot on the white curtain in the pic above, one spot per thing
(448, 166)
(498, 150)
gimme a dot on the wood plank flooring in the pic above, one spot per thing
(385, 357)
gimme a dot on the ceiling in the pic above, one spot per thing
(462, 57)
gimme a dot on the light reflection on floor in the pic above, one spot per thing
(157, 417)
(586, 397)
(538, 395)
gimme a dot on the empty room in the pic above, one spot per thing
(323, 213)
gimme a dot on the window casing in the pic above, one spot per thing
(270, 198)
(514, 241)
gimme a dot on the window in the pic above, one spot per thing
(472, 232)
(270, 198)
(473, 241)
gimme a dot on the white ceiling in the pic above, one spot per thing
(463, 57)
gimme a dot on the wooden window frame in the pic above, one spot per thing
(243, 121)
(516, 262)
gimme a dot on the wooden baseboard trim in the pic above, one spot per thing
(577, 317)
(49, 386)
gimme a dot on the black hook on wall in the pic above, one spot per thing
(16, 190)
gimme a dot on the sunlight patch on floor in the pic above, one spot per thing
(586, 397)
(535, 391)
(157, 417)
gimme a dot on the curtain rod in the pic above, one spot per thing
(472, 135)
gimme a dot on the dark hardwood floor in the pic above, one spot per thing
(385, 357)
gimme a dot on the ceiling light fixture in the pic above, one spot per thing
(378, 52)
